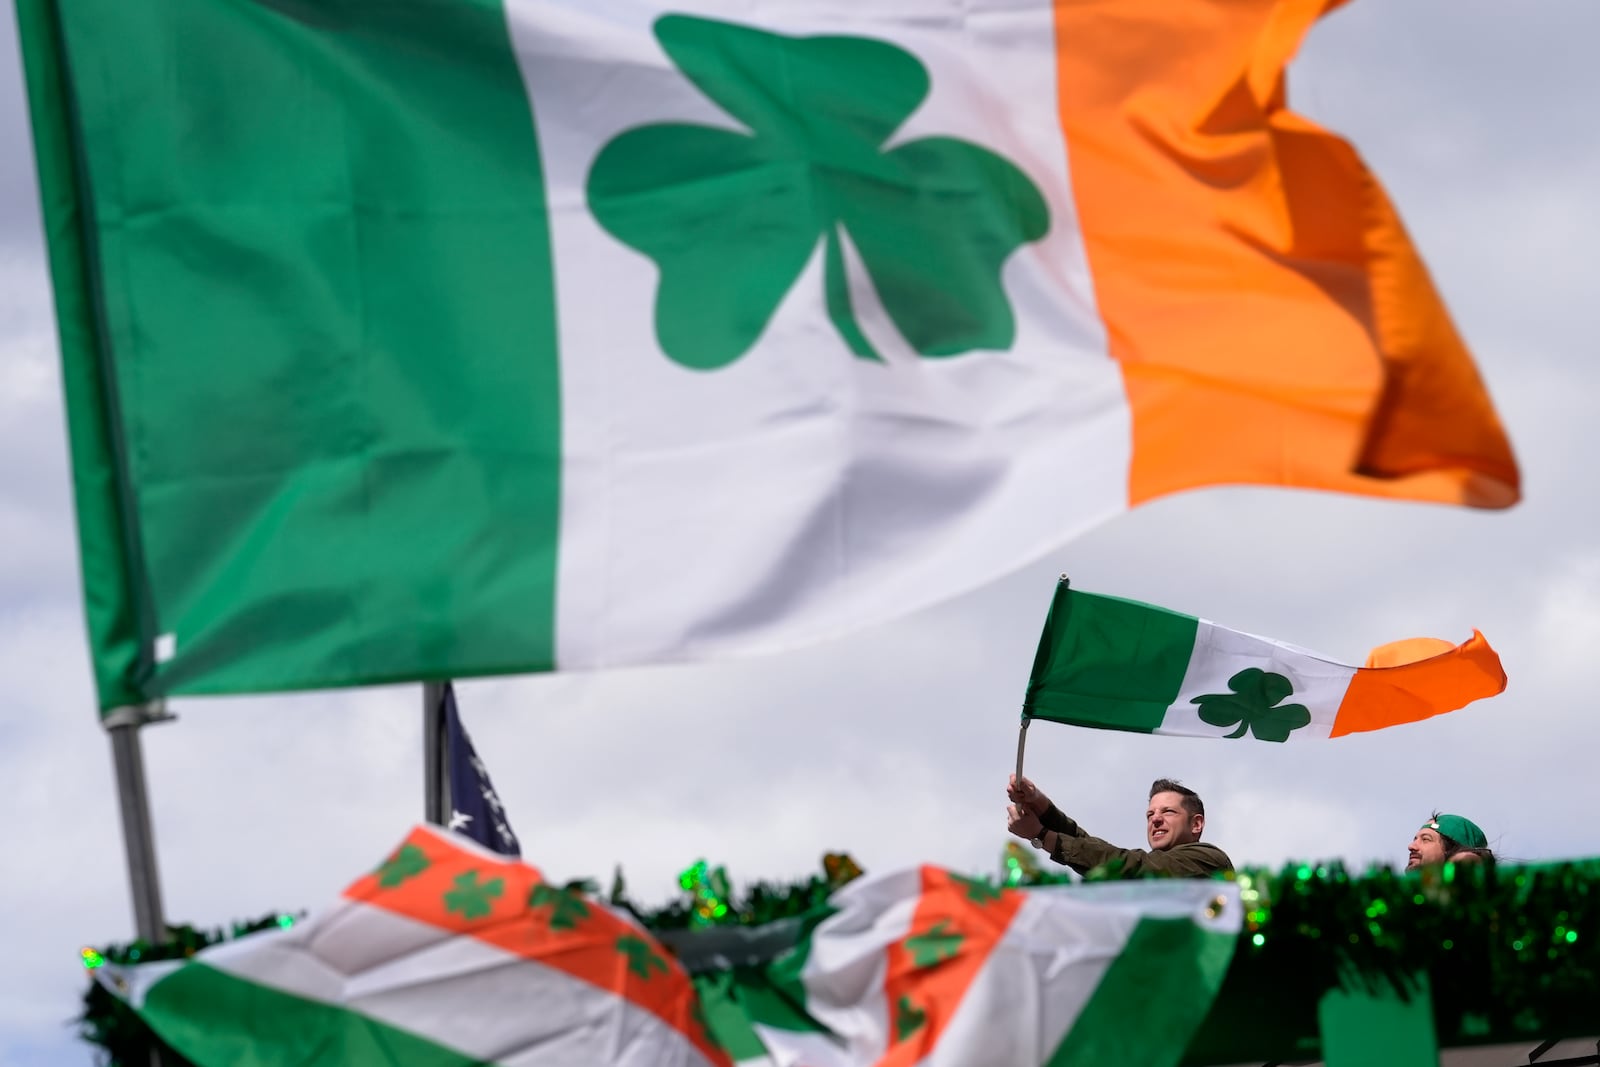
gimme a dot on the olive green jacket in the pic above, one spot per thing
(1082, 852)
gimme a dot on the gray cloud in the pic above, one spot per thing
(18, 205)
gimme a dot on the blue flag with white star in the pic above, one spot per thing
(475, 808)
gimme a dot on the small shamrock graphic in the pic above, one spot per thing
(935, 946)
(567, 907)
(642, 959)
(1250, 705)
(731, 218)
(470, 899)
(979, 892)
(408, 862)
(908, 1018)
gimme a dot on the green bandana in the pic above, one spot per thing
(1458, 829)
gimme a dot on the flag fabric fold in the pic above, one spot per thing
(450, 955)
(421, 341)
(1273, 321)
(1120, 664)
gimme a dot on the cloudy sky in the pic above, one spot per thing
(894, 745)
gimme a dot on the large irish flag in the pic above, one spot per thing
(449, 955)
(453, 338)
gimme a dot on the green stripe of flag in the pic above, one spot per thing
(1107, 662)
(729, 1018)
(771, 995)
(113, 629)
(215, 1019)
(785, 977)
(1152, 998)
(345, 458)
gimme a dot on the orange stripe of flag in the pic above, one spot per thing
(956, 925)
(1408, 681)
(430, 871)
(1272, 320)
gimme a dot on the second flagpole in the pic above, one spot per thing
(435, 774)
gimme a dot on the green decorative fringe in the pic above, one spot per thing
(1511, 953)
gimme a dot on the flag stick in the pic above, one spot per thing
(1022, 731)
(434, 781)
(138, 834)
(1022, 742)
(133, 799)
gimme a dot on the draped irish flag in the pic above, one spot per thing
(440, 339)
(449, 955)
(923, 967)
(1122, 665)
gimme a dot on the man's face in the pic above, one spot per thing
(1167, 823)
(1426, 847)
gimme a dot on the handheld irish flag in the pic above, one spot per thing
(449, 955)
(1121, 665)
(411, 340)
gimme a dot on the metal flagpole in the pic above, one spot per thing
(138, 836)
(435, 774)
(1022, 732)
(1022, 742)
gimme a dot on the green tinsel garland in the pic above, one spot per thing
(1511, 953)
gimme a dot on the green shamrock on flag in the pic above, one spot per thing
(1251, 706)
(642, 959)
(938, 944)
(408, 862)
(472, 899)
(731, 217)
(979, 892)
(567, 908)
(908, 1018)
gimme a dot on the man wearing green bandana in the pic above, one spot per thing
(1447, 839)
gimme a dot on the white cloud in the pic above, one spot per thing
(1568, 624)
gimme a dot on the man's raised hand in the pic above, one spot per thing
(1027, 797)
(1024, 824)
